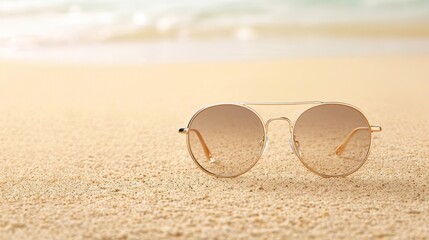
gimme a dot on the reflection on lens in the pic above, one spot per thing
(226, 140)
(332, 139)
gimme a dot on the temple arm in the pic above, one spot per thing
(202, 142)
(343, 145)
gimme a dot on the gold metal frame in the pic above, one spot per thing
(246, 105)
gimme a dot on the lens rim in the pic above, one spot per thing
(337, 175)
(218, 105)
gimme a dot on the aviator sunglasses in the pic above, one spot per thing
(331, 139)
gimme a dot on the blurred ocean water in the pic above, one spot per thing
(31, 24)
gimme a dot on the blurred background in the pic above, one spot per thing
(192, 30)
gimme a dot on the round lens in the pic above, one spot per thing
(226, 140)
(332, 139)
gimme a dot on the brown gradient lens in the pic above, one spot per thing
(226, 140)
(332, 139)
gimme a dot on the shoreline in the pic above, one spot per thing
(217, 50)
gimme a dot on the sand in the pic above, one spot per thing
(93, 152)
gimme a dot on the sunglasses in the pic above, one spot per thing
(330, 139)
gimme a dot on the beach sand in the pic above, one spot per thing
(92, 151)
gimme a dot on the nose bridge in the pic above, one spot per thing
(279, 119)
(294, 145)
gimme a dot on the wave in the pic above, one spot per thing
(28, 23)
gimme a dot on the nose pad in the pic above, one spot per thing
(291, 146)
(264, 144)
(296, 150)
